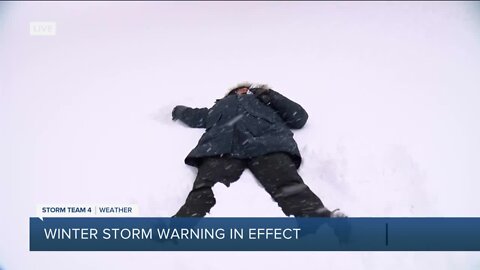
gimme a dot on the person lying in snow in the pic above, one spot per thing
(249, 128)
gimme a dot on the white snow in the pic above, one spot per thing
(392, 91)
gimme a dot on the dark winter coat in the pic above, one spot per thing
(246, 126)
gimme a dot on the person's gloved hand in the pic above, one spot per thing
(178, 111)
(261, 92)
(259, 89)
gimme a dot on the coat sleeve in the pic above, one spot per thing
(194, 117)
(291, 112)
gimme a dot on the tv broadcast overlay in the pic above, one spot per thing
(72, 210)
(239, 135)
(255, 234)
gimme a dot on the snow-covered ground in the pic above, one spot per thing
(392, 90)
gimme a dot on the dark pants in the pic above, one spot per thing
(276, 172)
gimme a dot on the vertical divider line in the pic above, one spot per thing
(386, 233)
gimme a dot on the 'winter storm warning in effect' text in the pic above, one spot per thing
(171, 233)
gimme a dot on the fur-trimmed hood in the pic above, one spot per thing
(249, 85)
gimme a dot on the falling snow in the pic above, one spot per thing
(391, 90)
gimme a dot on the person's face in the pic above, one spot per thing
(242, 91)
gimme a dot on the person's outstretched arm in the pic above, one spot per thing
(193, 117)
(291, 112)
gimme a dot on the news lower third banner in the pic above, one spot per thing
(254, 234)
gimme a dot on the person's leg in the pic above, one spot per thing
(211, 171)
(278, 175)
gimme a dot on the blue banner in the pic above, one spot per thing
(255, 234)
